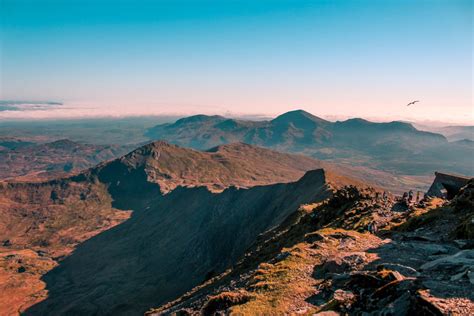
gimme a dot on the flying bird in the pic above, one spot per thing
(411, 103)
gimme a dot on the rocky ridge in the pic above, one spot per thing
(322, 260)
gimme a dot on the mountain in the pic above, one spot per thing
(452, 133)
(322, 259)
(11, 143)
(27, 160)
(395, 147)
(194, 214)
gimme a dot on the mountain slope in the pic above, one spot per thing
(396, 147)
(235, 164)
(207, 204)
(452, 133)
(322, 259)
(180, 240)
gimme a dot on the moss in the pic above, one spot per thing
(224, 300)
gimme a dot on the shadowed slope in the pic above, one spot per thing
(182, 238)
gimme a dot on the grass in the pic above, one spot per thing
(275, 286)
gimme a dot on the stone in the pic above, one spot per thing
(470, 275)
(405, 270)
(463, 257)
(432, 249)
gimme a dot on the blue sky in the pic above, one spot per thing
(348, 58)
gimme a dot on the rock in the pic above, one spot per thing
(335, 266)
(6, 243)
(400, 306)
(21, 269)
(345, 264)
(365, 279)
(425, 305)
(397, 275)
(282, 256)
(464, 243)
(459, 275)
(464, 201)
(405, 270)
(344, 298)
(463, 257)
(393, 289)
(470, 275)
(431, 249)
(313, 237)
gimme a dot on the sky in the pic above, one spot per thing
(334, 58)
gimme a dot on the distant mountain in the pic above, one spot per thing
(395, 146)
(12, 143)
(27, 160)
(195, 213)
(452, 133)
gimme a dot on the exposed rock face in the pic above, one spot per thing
(322, 260)
(450, 184)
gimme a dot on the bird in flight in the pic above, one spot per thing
(413, 102)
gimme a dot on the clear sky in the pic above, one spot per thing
(345, 58)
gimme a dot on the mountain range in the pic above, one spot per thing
(396, 147)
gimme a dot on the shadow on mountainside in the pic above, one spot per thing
(172, 243)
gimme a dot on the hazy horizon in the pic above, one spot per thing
(331, 58)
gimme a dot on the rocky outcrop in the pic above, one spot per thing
(446, 185)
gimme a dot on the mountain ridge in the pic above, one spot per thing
(396, 147)
(90, 214)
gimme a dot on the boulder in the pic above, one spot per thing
(462, 258)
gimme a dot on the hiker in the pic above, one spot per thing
(417, 197)
(410, 196)
(385, 196)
